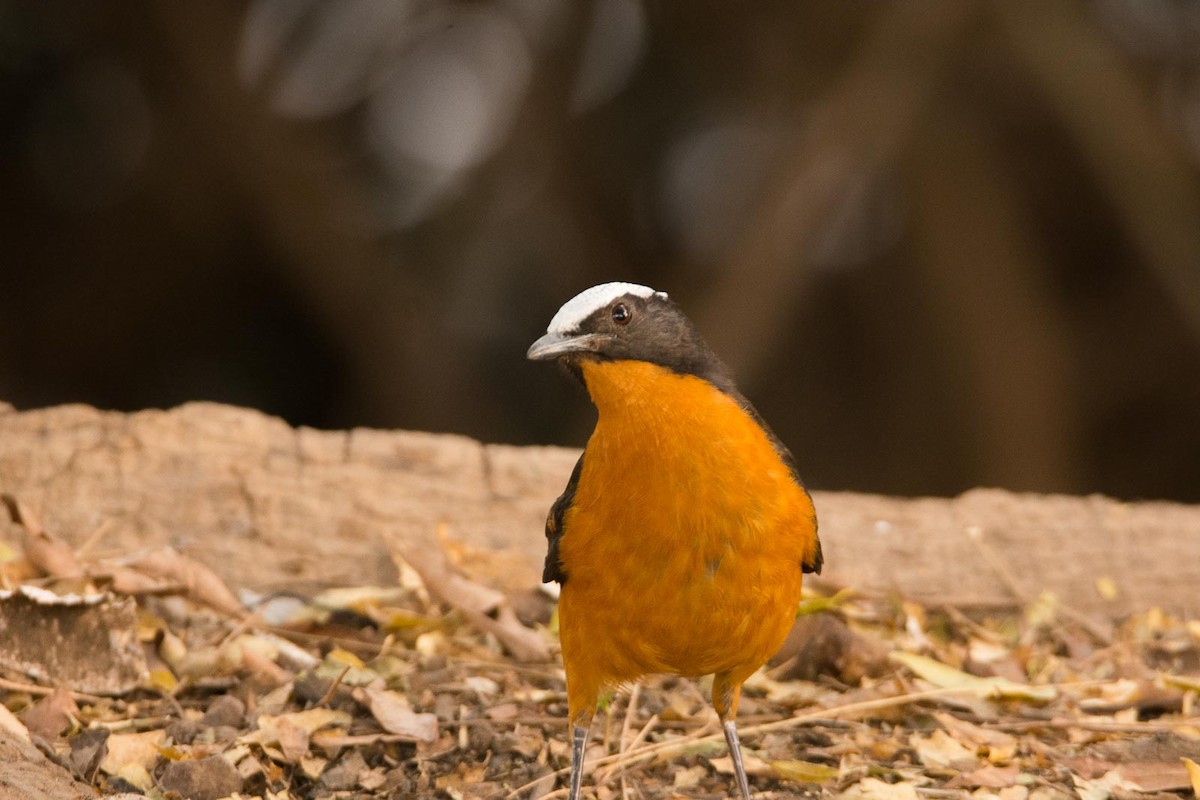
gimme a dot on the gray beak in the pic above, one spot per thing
(553, 345)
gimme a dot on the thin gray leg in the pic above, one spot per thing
(579, 737)
(735, 753)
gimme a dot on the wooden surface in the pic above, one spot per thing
(269, 507)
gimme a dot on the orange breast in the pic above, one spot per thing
(683, 546)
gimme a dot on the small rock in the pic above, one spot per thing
(310, 687)
(344, 774)
(218, 734)
(225, 710)
(204, 779)
(184, 731)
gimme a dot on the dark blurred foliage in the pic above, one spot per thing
(941, 243)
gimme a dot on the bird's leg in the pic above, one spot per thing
(735, 753)
(579, 737)
(581, 725)
(725, 694)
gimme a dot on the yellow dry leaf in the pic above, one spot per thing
(162, 679)
(947, 677)
(128, 750)
(815, 604)
(803, 771)
(1187, 683)
(1193, 771)
(689, 778)
(313, 766)
(136, 775)
(285, 738)
(1043, 612)
(310, 721)
(1107, 588)
(350, 668)
(344, 658)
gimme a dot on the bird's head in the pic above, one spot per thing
(625, 321)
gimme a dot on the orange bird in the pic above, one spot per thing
(681, 538)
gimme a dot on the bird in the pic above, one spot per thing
(681, 539)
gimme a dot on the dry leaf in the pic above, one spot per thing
(446, 584)
(689, 777)
(484, 607)
(947, 677)
(198, 581)
(875, 789)
(1193, 771)
(394, 714)
(803, 771)
(1101, 788)
(754, 765)
(990, 777)
(525, 644)
(52, 715)
(132, 753)
(941, 751)
(11, 725)
(1001, 747)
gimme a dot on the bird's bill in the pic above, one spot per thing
(553, 345)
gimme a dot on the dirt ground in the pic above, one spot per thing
(294, 614)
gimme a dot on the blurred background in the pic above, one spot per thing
(942, 244)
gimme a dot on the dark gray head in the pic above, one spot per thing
(627, 321)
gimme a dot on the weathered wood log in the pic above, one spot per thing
(269, 506)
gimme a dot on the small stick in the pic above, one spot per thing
(325, 698)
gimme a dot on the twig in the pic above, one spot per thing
(635, 695)
(1094, 725)
(42, 691)
(325, 698)
(663, 748)
(95, 536)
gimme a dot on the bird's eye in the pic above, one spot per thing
(621, 314)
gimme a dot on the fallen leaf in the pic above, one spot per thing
(51, 716)
(1193, 771)
(1101, 788)
(990, 777)
(286, 737)
(754, 764)
(947, 677)
(689, 777)
(803, 771)
(88, 751)
(132, 750)
(1156, 776)
(485, 608)
(394, 714)
(313, 766)
(448, 585)
(941, 751)
(875, 789)
(198, 581)
(525, 644)
(1000, 746)
(310, 721)
(10, 724)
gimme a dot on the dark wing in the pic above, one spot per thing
(553, 570)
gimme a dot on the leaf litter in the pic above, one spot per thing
(444, 686)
